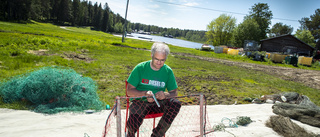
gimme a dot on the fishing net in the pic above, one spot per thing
(298, 107)
(304, 114)
(187, 123)
(285, 127)
(51, 90)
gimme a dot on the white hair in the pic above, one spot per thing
(160, 47)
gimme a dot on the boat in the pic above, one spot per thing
(129, 35)
(148, 38)
(169, 36)
(205, 47)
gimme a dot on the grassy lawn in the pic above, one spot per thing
(108, 61)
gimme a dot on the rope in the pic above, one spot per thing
(243, 120)
(232, 123)
(86, 135)
(222, 127)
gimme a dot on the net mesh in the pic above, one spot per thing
(186, 123)
(51, 90)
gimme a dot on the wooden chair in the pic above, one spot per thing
(148, 116)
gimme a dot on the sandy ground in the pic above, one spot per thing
(18, 123)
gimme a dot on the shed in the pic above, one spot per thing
(287, 44)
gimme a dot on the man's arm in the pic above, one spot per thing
(164, 95)
(172, 93)
(133, 92)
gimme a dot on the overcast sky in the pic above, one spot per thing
(197, 14)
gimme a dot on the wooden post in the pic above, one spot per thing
(118, 117)
(125, 23)
(201, 116)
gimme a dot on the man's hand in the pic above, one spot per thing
(160, 95)
(149, 96)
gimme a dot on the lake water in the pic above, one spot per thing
(172, 41)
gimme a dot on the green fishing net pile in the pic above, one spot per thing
(51, 90)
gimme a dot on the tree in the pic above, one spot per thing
(40, 9)
(36, 10)
(220, 30)
(18, 9)
(84, 14)
(45, 9)
(3, 7)
(64, 12)
(262, 15)
(118, 28)
(280, 29)
(111, 22)
(105, 20)
(129, 26)
(247, 30)
(189, 34)
(305, 36)
(76, 12)
(137, 26)
(118, 19)
(90, 13)
(97, 16)
(55, 9)
(312, 24)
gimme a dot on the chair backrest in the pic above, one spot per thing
(127, 108)
(128, 101)
(127, 96)
(126, 88)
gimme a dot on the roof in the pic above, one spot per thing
(285, 36)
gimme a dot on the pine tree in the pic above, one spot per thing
(64, 12)
(105, 20)
(76, 12)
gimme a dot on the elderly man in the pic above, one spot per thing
(151, 79)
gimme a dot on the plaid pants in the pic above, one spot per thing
(139, 109)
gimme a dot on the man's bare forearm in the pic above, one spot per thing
(172, 93)
(133, 92)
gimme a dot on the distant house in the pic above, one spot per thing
(286, 44)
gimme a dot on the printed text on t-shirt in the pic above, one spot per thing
(154, 83)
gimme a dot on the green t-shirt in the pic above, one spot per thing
(144, 78)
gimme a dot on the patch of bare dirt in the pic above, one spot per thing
(310, 78)
(76, 56)
(69, 56)
(40, 52)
